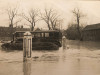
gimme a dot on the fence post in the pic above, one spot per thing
(27, 46)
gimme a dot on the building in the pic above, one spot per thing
(91, 32)
(6, 32)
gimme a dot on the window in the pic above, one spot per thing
(46, 34)
(37, 35)
(42, 34)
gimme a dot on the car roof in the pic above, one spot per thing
(37, 31)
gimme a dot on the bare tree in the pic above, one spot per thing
(54, 20)
(78, 14)
(31, 18)
(16, 23)
(12, 13)
(50, 17)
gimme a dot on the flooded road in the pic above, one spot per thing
(79, 58)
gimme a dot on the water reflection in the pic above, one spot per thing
(91, 45)
(27, 67)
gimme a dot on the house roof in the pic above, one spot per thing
(92, 27)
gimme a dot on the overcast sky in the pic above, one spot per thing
(90, 8)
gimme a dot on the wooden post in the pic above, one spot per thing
(64, 42)
(27, 46)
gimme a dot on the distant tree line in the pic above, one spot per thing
(74, 30)
(49, 16)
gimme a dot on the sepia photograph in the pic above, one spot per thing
(49, 37)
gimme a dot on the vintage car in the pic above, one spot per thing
(41, 40)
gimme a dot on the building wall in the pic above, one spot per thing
(91, 35)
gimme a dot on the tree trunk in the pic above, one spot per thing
(49, 26)
(11, 24)
(78, 27)
(32, 28)
(52, 25)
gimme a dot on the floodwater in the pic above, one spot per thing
(79, 58)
